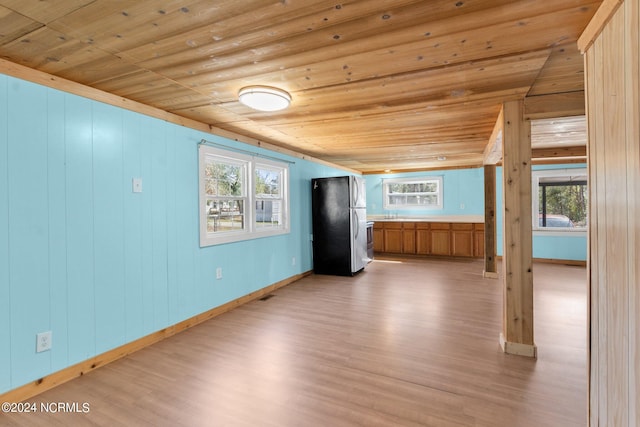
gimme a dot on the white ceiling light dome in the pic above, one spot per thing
(264, 98)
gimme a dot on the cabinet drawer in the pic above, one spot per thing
(440, 225)
(409, 225)
(461, 226)
(392, 225)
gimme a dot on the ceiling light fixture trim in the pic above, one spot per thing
(264, 98)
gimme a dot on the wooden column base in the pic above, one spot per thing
(490, 274)
(518, 349)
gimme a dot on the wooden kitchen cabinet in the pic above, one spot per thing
(430, 238)
(478, 240)
(440, 238)
(408, 237)
(462, 239)
(423, 238)
(378, 237)
(393, 237)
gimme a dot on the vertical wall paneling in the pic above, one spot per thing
(173, 227)
(108, 214)
(159, 238)
(5, 289)
(615, 201)
(517, 275)
(632, 92)
(147, 144)
(187, 239)
(132, 142)
(28, 230)
(612, 67)
(57, 225)
(79, 214)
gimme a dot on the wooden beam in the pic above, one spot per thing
(554, 105)
(551, 152)
(517, 265)
(490, 269)
(493, 150)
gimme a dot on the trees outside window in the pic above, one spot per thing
(232, 182)
(560, 199)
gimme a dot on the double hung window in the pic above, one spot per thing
(241, 196)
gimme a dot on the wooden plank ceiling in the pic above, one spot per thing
(376, 84)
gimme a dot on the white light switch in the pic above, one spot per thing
(137, 185)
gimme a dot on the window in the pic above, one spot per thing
(413, 193)
(230, 184)
(269, 194)
(560, 200)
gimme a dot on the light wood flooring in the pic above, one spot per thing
(408, 342)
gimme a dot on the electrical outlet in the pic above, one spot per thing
(293, 260)
(219, 273)
(43, 341)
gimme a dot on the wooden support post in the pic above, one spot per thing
(517, 265)
(490, 269)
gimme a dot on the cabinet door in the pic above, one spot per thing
(462, 243)
(462, 239)
(408, 239)
(478, 240)
(440, 238)
(423, 239)
(393, 237)
(378, 239)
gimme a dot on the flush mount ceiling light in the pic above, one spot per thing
(264, 98)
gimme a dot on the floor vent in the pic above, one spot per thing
(266, 297)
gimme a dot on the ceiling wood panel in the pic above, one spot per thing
(376, 85)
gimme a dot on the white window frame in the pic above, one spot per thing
(536, 175)
(206, 154)
(438, 179)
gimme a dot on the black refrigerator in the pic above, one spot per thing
(339, 225)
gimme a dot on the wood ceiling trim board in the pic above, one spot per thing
(602, 16)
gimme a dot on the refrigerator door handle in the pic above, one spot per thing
(356, 190)
(356, 222)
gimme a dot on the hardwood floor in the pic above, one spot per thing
(408, 342)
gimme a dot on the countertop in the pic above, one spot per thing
(425, 218)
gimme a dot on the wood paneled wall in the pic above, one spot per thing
(612, 59)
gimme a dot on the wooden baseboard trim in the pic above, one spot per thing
(576, 263)
(50, 381)
(518, 349)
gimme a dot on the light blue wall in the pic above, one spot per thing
(548, 245)
(466, 187)
(463, 193)
(83, 256)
